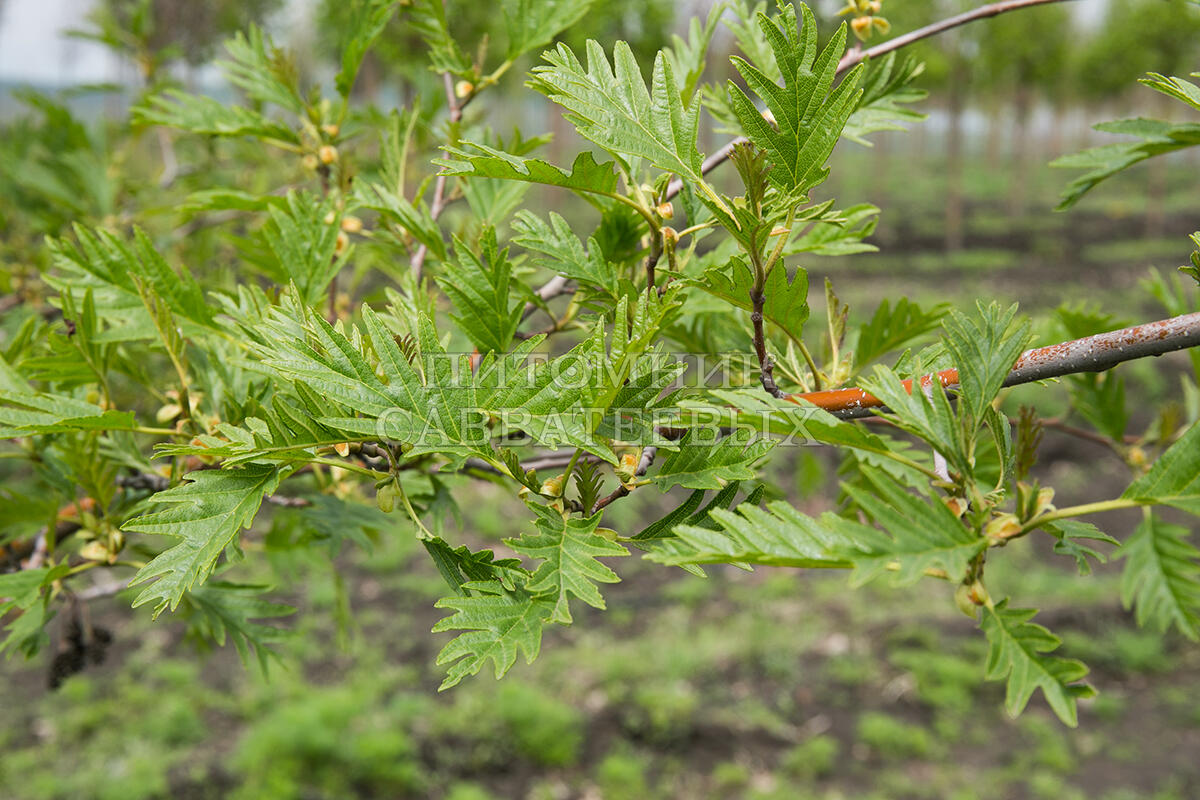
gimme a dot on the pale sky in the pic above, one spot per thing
(33, 49)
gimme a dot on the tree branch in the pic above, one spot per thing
(417, 262)
(1090, 354)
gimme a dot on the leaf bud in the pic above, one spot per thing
(94, 551)
(553, 487)
(330, 218)
(962, 599)
(385, 497)
(1003, 527)
(957, 505)
(626, 470)
(670, 235)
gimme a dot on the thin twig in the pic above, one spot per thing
(1083, 433)
(766, 366)
(417, 262)
(553, 288)
(99, 590)
(623, 490)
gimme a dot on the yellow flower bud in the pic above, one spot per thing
(342, 449)
(331, 130)
(310, 162)
(553, 487)
(342, 242)
(330, 218)
(665, 210)
(328, 154)
(352, 224)
(463, 89)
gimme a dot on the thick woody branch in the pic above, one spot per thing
(1090, 354)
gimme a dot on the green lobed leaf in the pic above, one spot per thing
(585, 174)
(1174, 479)
(199, 114)
(985, 346)
(562, 252)
(205, 514)
(26, 413)
(498, 624)
(777, 536)
(919, 534)
(887, 87)
(1161, 578)
(610, 105)
(808, 112)
(1017, 650)
(479, 288)
(786, 302)
(568, 549)
(893, 327)
(534, 23)
(709, 463)
(221, 610)
(368, 19)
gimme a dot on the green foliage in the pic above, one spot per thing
(478, 287)
(1157, 137)
(1018, 651)
(568, 550)
(1162, 576)
(206, 515)
(610, 106)
(808, 115)
(498, 624)
(304, 317)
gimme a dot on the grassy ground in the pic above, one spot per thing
(771, 684)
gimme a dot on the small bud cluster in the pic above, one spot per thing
(866, 19)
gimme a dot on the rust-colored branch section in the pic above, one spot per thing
(1090, 354)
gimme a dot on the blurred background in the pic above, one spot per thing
(769, 684)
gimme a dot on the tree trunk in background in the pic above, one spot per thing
(1021, 147)
(1157, 172)
(954, 166)
(994, 151)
